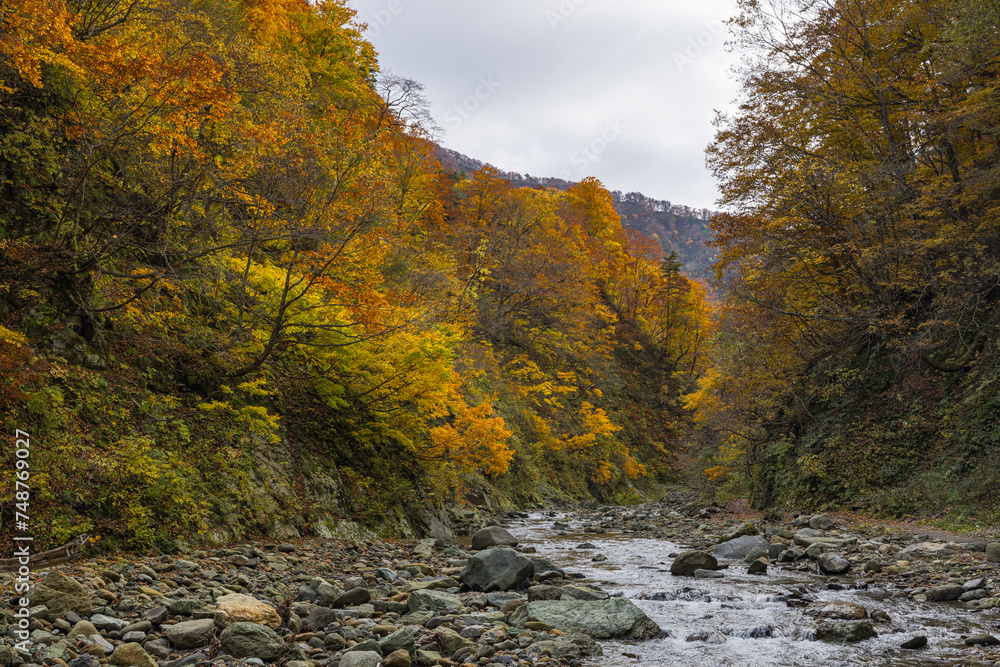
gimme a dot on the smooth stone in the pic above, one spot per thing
(739, 547)
(845, 631)
(982, 639)
(993, 552)
(250, 640)
(945, 593)
(431, 600)
(708, 574)
(190, 634)
(833, 563)
(687, 562)
(600, 619)
(130, 654)
(239, 607)
(757, 567)
(915, 642)
(836, 609)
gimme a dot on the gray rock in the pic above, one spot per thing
(821, 522)
(708, 574)
(57, 651)
(61, 594)
(400, 639)
(186, 607)
(945, 593)
(993, 552)
(492, 536)
(581, 593)
(928, 551)
(432, 600)
(360, 659)
(190, 634)
(833, 563)
(496, 569)
(805, 540)
(687, 562)
(974, 584)
(845, 631)
(982, 639)
(600, 619)
(568, 645)
(352, 598)
(975, 594)
(748, 528)
(103, 622)
(754, 554)
(250, 640)
(757, 567)
(739, 547)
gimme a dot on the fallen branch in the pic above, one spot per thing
(64, 554)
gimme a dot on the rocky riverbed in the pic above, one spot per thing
(671, 582)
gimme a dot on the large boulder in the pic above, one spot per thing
(239, 607)
(600, 619)
(945, 593)
(687, 562)
(805, 539)
(190, 634)
(821, 522)
(833, 563)
(400, 640)
(431, 600)
(739, 547)
(492, 536)
(993, 552)
(60, 594)
(250, 640)
(496, 569)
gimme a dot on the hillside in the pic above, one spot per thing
(679, 229)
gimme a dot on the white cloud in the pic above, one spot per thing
(558, 72)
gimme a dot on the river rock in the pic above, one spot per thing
(739, 547)
(60, 594)
(250, 640)
(805, 539)
(492, 536)
(982, 639)
(993, 552)
(757, 567)
(360, 659)
(239, 607)
(581, 593)
(130, 654)
(497, 569)
(845, 631)
(401, 639)
(833, 563)
(836, 609)
(821, 522)
(82, 629)
(352, 598)
(190, 634)
(399, 658)
(914, 642)
(747, 528)
(927, 551)
(568, 645)
(600, 619)
(431, 600)
(945, 593)
(687, 562)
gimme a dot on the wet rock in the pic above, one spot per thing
(914, 642)
(982, 639)
(754, 554)
(60, 594)
(739, 547)
(492, 536)
(600, 619)
(687, 562)
(581, 593)
(833, 563)
(250, 640)
(975, 594)
(945, 593)
(190, 634)
(708, 574)
(836, 609)
(845, 631)
(496, 569)
(757, 567)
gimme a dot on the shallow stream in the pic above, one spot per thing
(742, 619)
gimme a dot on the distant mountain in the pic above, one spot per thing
(680, 229)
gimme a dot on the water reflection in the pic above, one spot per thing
(743, 619)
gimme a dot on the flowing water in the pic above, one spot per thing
(742, 619)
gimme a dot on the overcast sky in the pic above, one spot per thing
(623, 90)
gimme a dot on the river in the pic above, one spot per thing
(742, 619)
